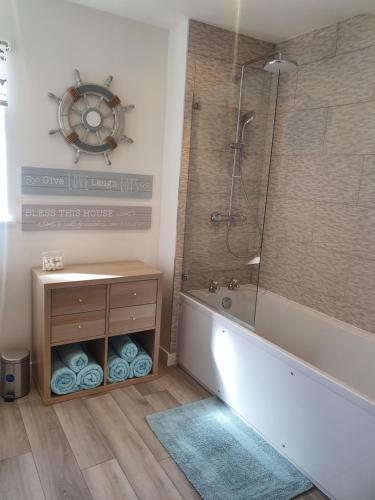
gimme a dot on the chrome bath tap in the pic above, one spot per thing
(233, 284)
(213, 287)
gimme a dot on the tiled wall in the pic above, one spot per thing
(213, 63)
(213, 126)
(319, 246)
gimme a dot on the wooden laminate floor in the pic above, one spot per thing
(95, 448)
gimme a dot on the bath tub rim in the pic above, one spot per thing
(296, 363)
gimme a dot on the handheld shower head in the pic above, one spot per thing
(248, 117)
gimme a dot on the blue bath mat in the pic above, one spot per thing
(222, 457)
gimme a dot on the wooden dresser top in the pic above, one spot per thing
(80, 274)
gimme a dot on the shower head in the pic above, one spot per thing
(247, 117)
(278, 64)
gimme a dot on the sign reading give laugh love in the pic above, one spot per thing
(61, 182)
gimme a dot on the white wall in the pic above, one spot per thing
(50, 39)
(174, 121)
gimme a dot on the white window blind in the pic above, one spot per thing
(4, 49)
(4, 215)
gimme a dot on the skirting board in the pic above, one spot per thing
(167, 358)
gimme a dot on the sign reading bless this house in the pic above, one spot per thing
(63, 182)
(71, 217)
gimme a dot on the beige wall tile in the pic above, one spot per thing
(327, 272)
(324, 257)
(367, 186)
(206, 250)
(256, 91)
(357, 315)
(250, 48)
(300, 132)
(316, 269)
(329, 178)
(360, 292)
(305, 49)
(269, 257)
(217, 43)
(350, 129)
(213, 127)
(282, 287)
(356, 33)
(277, 183)
(210, 41)
(346, 229)
(343, 79)
(210, 171)
(215, 82)
(292, 259)
(286, 91)
(317, 299)
(289, 218)
(336, 227)
(255, 175)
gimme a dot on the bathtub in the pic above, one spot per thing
(303, 380)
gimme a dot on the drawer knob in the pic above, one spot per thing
(134, 294)
(80, 300)
(133, 318)
(79, 327)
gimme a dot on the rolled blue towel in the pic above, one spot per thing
(73, 356)
(118, 368)
(141, 364)
(63, 379)
(91, 376)
(125, 347)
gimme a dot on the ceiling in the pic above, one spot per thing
(272, 20)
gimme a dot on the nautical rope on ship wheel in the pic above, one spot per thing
(91, 118)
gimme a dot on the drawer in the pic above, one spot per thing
(78, 299)
(127, 319)
(133, 293)
(77, 326)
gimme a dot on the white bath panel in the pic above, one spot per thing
(296, 408)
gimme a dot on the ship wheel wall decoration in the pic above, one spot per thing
(91, 118)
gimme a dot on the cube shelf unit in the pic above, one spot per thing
(90, 303)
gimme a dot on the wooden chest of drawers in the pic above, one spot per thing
(91, 303)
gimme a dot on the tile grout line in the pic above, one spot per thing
(38, 474)
(361, 176)
(71, 449)
(96, 429)
(140, 437)
(32, 453)
(337, 38)
(326, 124)
(109, 445)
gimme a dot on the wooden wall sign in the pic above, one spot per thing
(62, 182)
(72, 217)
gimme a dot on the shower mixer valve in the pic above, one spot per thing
(231, 218)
